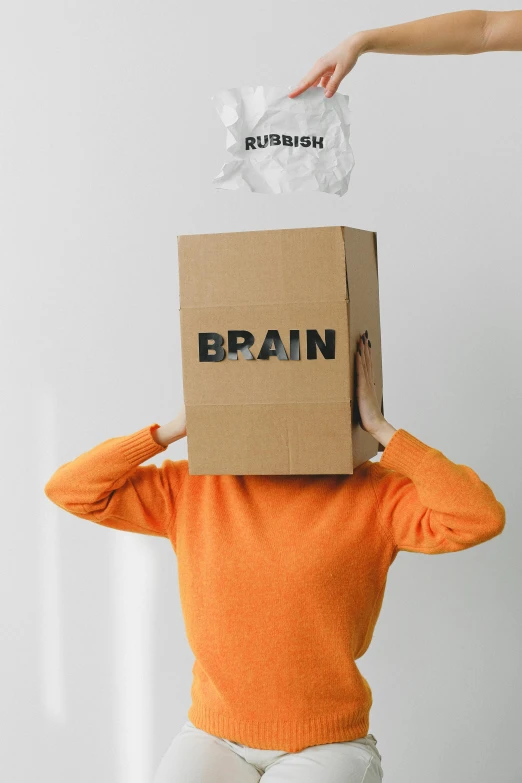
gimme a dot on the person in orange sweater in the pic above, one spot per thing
(281, 583)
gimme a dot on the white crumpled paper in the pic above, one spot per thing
(255, 116)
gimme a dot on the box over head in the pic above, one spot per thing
(269, 328)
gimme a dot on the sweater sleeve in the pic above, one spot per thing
(430, 504)
(107, 485)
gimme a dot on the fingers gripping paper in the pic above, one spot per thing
(285, 145)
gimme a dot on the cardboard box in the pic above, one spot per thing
(282, 405)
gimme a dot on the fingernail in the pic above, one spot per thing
(366, 333)
(328, 93)
(369, 343)
(363, 338)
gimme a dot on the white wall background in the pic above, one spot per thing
(108, 144)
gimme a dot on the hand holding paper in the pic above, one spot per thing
(329, 70)
(460, 32)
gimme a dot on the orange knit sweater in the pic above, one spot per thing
(282, 578)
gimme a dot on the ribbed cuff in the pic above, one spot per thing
(140, 446)
(404, 453)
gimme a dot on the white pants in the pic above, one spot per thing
(195, 756)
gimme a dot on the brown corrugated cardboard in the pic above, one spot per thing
(276, 415)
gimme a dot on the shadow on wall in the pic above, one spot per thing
(81, 569)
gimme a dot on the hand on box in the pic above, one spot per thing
(370, 414)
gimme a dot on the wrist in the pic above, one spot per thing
(383, 432)
(362, 41)
(168, 433)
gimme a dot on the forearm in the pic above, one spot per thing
(87, 482)
(109, 485)
(431, 504)
(462, 32)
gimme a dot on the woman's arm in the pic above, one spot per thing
(462, 32)
(427, 503)
(108, 484)
(430, 504)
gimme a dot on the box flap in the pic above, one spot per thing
(362, 274)
(262, 267)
